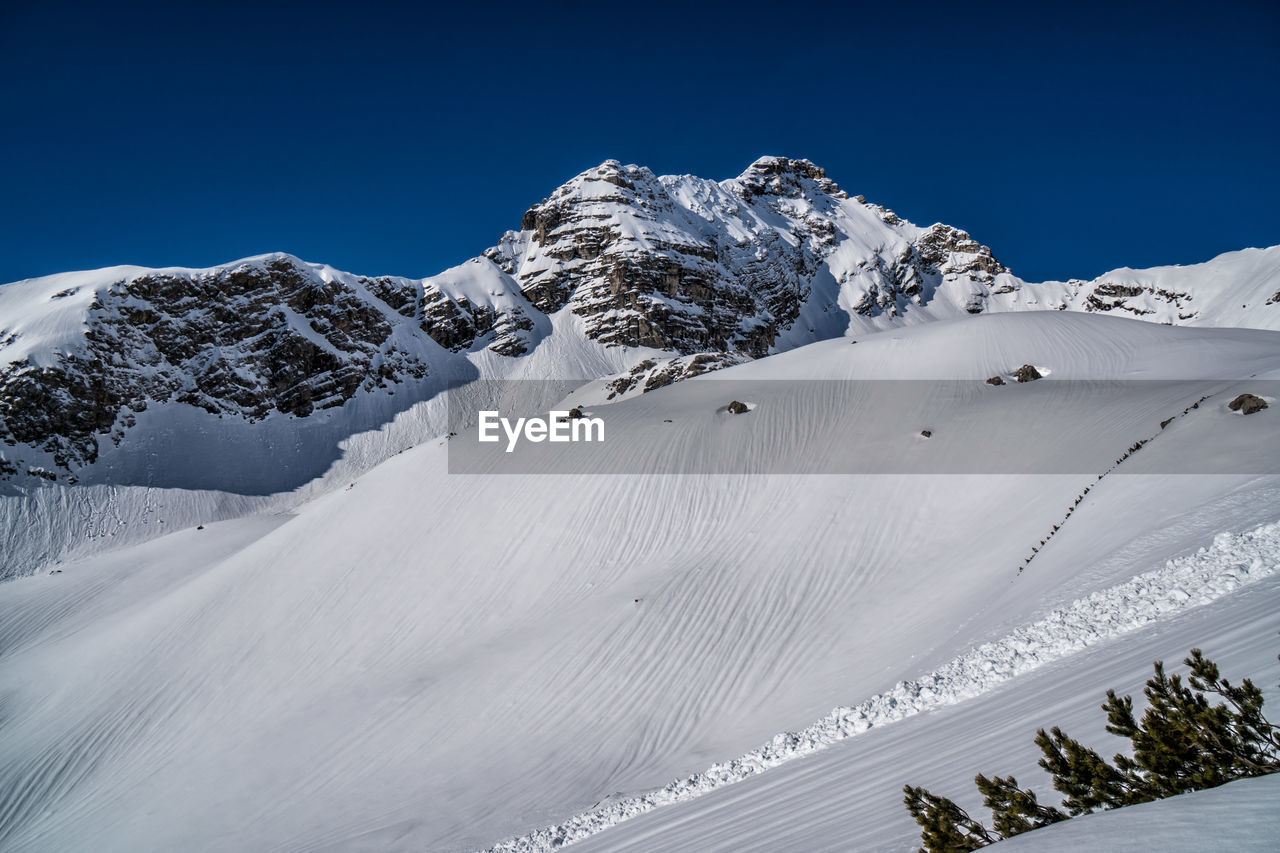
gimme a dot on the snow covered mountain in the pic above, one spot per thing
(260, 612)
(678, 275)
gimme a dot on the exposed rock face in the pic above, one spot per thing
(737, 408)
(454, 321)
(266, 335)
(58, 408)
(949, 251)
(1247, 404)
(679, 264)
(940, 255)
(1136, 300)
(649, 374)
(1026, 373)
(996, 380)
(245, 340)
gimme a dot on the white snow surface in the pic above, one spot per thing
(423, 661)
(849, 797)
(1239, 816)
(1232, 561)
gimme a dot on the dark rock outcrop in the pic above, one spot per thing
(1026, 373)
(245, 340)
(1247, 404)
(649, 375)
(269, 335)
(1110, 297)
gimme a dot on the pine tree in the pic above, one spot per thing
(1013, 809)
(1255, 741)
(1185, 744)
(945, 827)
(1084, 778)
(1182, 743)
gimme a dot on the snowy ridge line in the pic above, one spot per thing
(1232, 561)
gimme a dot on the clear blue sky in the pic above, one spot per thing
(401, 138)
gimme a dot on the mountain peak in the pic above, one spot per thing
(775, 165)
(612, 172)
(786, 176)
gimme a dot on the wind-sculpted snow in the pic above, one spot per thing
(418, 660)
(1231, 562)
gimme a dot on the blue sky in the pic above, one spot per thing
(401, 138)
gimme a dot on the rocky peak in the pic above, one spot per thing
(951, 252)
(782, 176)
(677, 263)
(608, 183)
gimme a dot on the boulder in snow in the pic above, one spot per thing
(1247, 404)
(1026, 373)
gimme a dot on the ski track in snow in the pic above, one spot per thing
(1232, 561)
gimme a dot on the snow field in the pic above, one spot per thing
(423, 661)
(1232, 561)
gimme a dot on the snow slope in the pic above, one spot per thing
(1191, 581)
(849, 797)
(1238, 816)
(419, 660)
